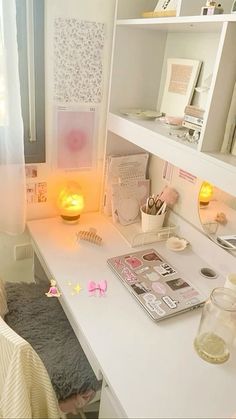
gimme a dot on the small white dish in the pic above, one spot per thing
(175, 244)
(140, 113)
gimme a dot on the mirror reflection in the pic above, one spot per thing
(217, 213)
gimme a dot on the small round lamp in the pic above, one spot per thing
(70, 202)
(205, 194)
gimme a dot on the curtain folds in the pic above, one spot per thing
(12, 164)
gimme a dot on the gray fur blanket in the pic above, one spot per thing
(42, 322)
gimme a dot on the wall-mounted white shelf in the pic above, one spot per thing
(150, 136)
(179, 24)
(142, 47)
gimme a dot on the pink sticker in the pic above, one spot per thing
(133, 262)
(129, 276)
(159, 288)
(190, 294)
(118, 263)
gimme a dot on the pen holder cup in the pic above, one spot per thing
(149, 222)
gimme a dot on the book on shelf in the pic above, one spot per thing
(195, 111)
(233, 141)
(193, 120)
(122, 170)
(228, 145)
(192, 126)
(180, 81)
(160, 13)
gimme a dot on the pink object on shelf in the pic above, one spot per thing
(173, 120)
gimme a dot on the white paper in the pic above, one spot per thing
(121, 169)
(127, 200)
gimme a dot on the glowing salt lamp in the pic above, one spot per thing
(205, 193)
(70, 202)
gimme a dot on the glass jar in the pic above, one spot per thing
(217, 328)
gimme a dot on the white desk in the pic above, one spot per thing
(152, 370)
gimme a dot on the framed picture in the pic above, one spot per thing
(76, 133)
(181, 78)
(164, 5)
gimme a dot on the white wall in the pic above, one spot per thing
(91, 10)
(10, 270)
(187, 205)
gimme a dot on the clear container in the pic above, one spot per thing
(217, 328)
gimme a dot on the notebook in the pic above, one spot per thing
(160, 289)
(122, 170)
(127, 199)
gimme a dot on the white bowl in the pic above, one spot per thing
(176, 244)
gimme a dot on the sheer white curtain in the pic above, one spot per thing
(12, 169)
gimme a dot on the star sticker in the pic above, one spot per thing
(77, 288)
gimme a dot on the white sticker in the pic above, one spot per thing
(165, 269)
(149, 297)
(168, 300)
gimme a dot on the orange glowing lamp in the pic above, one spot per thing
(70, 202)
(206, 193)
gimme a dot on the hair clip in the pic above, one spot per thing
(89, 235)
(100, 286)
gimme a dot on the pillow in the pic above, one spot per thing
(3, 299)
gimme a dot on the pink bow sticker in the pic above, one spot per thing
(100, 286)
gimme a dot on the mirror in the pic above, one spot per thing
(217, 213)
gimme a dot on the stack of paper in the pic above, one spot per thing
(126, 187)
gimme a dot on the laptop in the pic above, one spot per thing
(160, 289)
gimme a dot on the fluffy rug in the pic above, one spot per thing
(42, 322)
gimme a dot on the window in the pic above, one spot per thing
(30, 38)
(2, 108)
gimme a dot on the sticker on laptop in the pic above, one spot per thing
(155, 306)
(159, 288)
(133, 262)
(139, 288)
(169, 302)
(165, 269)
(192, 301)
(177, 284)
(189, 294)
(128, 275)
(152, 276)
(118, 263)
(141, 270)
(152, 257)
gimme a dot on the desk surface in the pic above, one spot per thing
(151, 368)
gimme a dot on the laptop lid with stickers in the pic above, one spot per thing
(158, 286)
